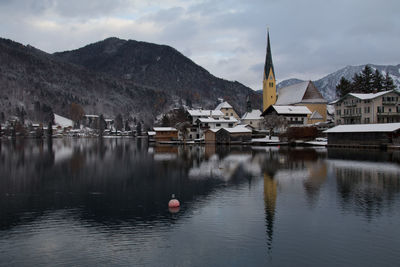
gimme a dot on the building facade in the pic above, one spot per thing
(227, 110)
(382, 107)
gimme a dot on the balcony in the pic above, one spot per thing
(350, 115)
(350, 104)
(393, 113)
(386, 102)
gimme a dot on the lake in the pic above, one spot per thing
(90, 202)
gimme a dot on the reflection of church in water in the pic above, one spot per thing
(283, 169)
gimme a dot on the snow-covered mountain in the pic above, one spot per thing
(327, 84)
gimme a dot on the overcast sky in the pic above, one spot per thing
(309, 38)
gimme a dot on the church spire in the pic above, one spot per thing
(269, 82)
(268, 59)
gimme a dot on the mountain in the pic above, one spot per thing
(159, 67)
(327, 84)
(32, 80)
(136, 79)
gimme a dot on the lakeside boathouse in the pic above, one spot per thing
(381, 134)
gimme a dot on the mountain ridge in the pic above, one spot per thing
(109, 82)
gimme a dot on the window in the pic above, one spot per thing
(227, 114)
(218, 124)
(230, 125)
(251, 122)
(271, 84)
(231, 114)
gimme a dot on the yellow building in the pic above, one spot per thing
(269, 81)
(304, 94)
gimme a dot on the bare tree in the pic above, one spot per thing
(183, 128)
(274, 121)
(76, 113)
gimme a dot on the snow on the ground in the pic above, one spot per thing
(274, 139)
(62, 121)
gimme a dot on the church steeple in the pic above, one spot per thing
(269, 82)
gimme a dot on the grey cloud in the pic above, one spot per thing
(309, 38)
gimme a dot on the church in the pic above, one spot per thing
(300, 94)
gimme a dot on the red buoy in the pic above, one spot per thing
(173, 203)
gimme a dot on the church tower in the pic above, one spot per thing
(269, 82)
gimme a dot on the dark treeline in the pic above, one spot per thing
(367, 81)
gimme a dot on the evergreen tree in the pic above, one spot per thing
(344, 87)
(377, 81)
(139, 129)
(118, 122)
(357, 84)
(127, 127)
(50, 129)
(165, 122)
(388, 83)
(102, 125)
(367, 79)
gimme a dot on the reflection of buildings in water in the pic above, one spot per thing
(316, 178)
(270, 195)
(296, 167)
(225, 168)
(366, 187)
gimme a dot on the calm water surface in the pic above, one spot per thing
(93, 203)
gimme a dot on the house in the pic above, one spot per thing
(382, 107)
(237, 134)
(253, 118)
(227, 110)
(165, 134)
(195, 114)
(307, 95)
(91, 121)
(294, 115)
(205, 119)
(364, 134)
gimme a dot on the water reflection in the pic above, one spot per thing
(112, 185)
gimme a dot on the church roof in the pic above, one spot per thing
(303, 92)
(268, 59)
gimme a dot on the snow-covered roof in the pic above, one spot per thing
(62, 121)
(358, 128)
(223, 105)
(255, 114)
(316, 116)
(91, 116)
(164, 129)
(217, 120)
(205, 112)
(364, 96)
(291, 109)
(238, 129)
(370, 95)
(151, 133)
(292, 94)
(295, 93)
